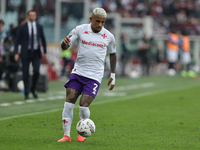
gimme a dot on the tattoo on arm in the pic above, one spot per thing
(72, 95)
(86, 100)
(113, 60)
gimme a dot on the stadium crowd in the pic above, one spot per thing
(167, 14)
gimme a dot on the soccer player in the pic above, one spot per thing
(93, 41)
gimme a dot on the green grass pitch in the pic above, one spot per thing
(151, 113)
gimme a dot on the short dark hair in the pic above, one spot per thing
(30, 11)
(1, 22)
(21, 19)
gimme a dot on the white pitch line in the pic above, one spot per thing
(42, 99)
(112, 93)
(128, 87)
(134, 86)
(60, 97)
(106, 101)
(30, 114)
(5, 104)
(19, 102)
(32, 101)
(51, 98)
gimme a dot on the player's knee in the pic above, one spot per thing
(84, 104)
(69, 100)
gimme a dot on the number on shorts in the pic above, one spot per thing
(94, 89)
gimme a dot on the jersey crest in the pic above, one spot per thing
(104, 36)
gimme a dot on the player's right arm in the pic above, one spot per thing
(65, 42)
(69, 39)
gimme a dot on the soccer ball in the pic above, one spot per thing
(85, 127)
(20, 85)
(171, 72)
(134, 74)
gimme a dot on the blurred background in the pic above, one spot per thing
(131, 21)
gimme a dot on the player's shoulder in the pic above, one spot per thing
(108, 33)
(80, 27)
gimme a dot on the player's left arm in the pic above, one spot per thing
(111, 80)
(113, 61)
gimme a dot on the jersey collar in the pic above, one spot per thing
(90, 29)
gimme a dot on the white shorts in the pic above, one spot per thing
(185, 58)
(172, 56)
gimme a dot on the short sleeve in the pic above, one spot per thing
(74, 36)
(112, 45)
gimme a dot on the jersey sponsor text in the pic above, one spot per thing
(98, 44)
